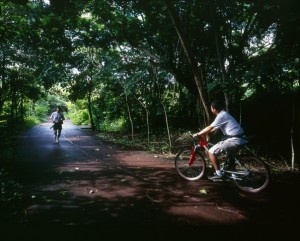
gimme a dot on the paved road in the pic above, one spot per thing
(87, 182)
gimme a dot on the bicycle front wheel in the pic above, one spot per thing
(190, 172)
(251, 174)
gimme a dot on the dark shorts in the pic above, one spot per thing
(57, 126)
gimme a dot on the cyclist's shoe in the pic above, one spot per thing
(216, 178)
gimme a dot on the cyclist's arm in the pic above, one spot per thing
(205, 131)
(214, 129)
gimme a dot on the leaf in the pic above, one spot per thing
(64, 192)
(203, 191)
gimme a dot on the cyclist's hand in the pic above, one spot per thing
(195, 135)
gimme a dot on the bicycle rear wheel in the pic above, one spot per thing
(193, 172)
(251, 174)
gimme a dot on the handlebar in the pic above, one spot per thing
(202, 141)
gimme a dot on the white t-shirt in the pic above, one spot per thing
(227, 124)
(57, 117)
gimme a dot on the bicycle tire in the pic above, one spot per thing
(254, 174)
(193, 172)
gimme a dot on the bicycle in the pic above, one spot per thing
(244, 169)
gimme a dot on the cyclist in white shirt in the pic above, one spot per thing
(57, 118)
(233, 132)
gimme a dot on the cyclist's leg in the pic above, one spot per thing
(229, 145)
(214, 161)
(232, 145)
(214, 152)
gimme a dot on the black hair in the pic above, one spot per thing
(217, 104)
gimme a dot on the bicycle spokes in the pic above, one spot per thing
(251, 174)
(190, 166)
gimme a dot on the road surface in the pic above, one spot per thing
(85, 186)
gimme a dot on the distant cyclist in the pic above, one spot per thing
(57, 118)
(233, 132)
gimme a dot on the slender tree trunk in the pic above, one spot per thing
(90, 104)
(3, 75)
(129, 114)
(295, 130)
(167, 125)
(220, 54)
(162, 104)
(90, 111)
(147, 118)
(22, 109)
(292, 137)
(13, 110)
(196, 70)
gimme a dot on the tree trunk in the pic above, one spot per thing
(220, 55)
(129, 114)
(162, 104)
(292, 139)
(147, 118)
(167, 125)
(90, 106)
(196, 70)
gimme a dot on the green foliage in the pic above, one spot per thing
(125, 58)
(31, 121)
(122, 58)
(41, 110)
(77, 113)
(113, 125)
(55, 100)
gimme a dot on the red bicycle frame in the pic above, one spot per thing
(202, 143)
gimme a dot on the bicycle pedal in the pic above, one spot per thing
(221, 179)
(218, 180)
